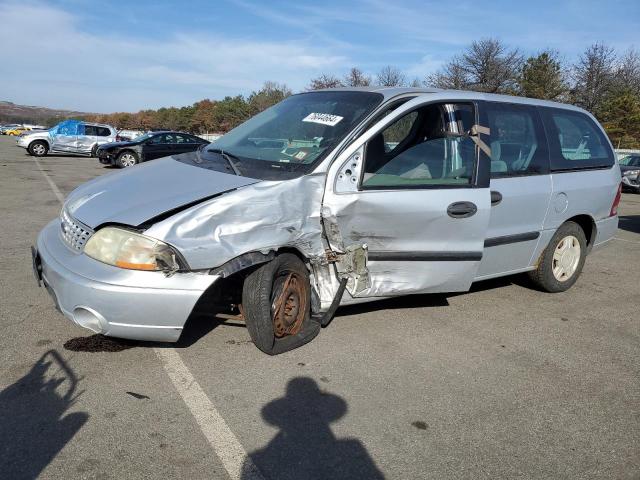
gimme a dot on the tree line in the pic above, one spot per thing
(601, 80)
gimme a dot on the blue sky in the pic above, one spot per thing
(106, 56)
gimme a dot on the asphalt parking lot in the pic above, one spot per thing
(502, 382)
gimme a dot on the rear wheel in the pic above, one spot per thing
(276, 301)
(562, 261)
(38, 148)
(127, 159)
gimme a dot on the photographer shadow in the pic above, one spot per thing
(34, 423)
(306, 447)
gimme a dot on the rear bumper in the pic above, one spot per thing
(112, 301)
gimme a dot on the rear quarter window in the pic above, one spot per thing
(576, 142)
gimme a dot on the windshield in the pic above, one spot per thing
(630, 161)
(290, 138)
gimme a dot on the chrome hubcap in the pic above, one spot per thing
(128, 160)
(38, 149)
(566, 258)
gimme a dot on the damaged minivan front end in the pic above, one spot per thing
(134, 251)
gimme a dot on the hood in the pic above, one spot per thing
(113, 145)
(35, 134)
(625, 168)
(137, 194)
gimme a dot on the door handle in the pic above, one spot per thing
(462, 209)
(496, 198)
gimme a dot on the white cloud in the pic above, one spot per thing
(51, 61)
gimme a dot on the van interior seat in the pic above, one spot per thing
(499, 166)
(511, 157)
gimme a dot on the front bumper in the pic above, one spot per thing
(632, 183)
(113, 301)
(22, 142)
(106, 158)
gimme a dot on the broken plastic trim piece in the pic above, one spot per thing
(325, 319)
(241, 263)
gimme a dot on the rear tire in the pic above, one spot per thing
(276, 300)
(561, 262)
(127, 159)
(38, 148)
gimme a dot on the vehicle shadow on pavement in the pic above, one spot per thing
(34, 426)
(305, 447)
(630, 223)
(426, 300)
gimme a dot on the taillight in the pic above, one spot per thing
(616, 202)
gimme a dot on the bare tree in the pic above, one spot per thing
(593, 76)
(324, 81)
(452, 77)
(356, 78)
(627, 74)
(415, 83)
(390, 76)
(487, 65)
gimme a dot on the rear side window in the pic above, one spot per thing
(90, 130)
(575, 140)
(517, 141)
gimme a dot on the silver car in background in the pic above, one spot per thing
(69, 137)
(330, 198)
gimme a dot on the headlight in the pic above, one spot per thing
(631, 173)
(125, 249)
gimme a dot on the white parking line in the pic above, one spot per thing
(54, 187)
(224, 443)
(625, 240)
(213, 426)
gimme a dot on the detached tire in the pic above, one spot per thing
(562, 261)
(276, 301)
(127, 159)
(38, 148)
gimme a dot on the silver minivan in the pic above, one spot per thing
(70, 136)
(330, 198)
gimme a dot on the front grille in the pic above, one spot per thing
(74, 233)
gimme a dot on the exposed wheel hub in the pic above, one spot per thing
(288, 304)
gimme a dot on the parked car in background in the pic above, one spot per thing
(70, 136)
(15, 131)
(148, 147)
(5, 128)
(335, 197)
(630, 169)
(128, 135)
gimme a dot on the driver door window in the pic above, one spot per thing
(428, 147)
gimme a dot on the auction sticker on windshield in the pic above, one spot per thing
(323, 118)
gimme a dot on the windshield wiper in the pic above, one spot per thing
(228, 157)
